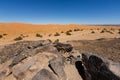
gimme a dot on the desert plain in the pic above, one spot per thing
(64, 32)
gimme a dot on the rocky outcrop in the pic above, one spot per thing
(106, 48)
(94, 68)
(63, 47)
(43, 60)
(24, 48)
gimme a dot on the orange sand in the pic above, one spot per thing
(14, 30)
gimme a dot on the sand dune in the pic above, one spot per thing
(21, 27)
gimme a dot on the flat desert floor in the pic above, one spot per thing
(10, 31)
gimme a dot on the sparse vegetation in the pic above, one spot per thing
(102, 31)
(68, 33)
(119, 31)
(56, 41)
(50, 35)
(81, 29)
(70, 30)
(38, 35)
(27, 36)
(109, 32)
(21, 35)
(18, 38)
(98, 29)
(56, 34)
(105, 30)
(62, 32)
(4, 34)
(76, 29)
(112, 29)
(1, 36)
(93, 32)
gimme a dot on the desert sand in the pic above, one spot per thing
(29, 31)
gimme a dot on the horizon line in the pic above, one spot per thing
(62, 24)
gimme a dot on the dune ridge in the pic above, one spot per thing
(23, 27)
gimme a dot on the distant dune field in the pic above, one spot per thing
(10, 31)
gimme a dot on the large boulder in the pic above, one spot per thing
(20, 69)
(44, 74)
(56, 66)
(95, 68)
(63, 47)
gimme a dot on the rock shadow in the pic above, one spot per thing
(80, 69)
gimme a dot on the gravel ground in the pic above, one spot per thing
(106, 48)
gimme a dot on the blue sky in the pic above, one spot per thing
(60, 11)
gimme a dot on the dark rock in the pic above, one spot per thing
(21, 50)
(12, 50)
(85, 58)
(106, 48)
(44, 74)
(63, 47)
(57, 65)
(96, 68)
(81, 70)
